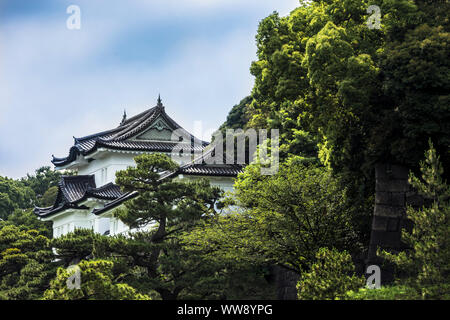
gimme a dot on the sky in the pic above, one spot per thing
(56, 82)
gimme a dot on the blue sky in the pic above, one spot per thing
(56, 83)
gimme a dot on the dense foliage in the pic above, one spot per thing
(26, 257)
(398, 292)
(330, 277)
(365, 94)
(294, 213)
(25, 263)
(33, 190)
(14, 195)
(345, 97)
(97, 282)
(280, 220)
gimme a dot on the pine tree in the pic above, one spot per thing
(163, 210)
(95, 282)
(428, 261)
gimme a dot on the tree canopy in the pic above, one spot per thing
(322, 72)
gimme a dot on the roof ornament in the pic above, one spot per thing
(159, 105)
(124, 117)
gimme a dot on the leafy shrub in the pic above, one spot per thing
(399, 292)
(330, 277)
(97, 282)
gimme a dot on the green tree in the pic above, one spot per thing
(49, 197)
(416, 71)
(27, 220)
(281, 219)
(28, 192)
(427, 262)
(6, 206)
(75, 246)
(163, 210)
(396, 292)
(25, 263)
(238, 269)
(43, 178)
(97, 282)
(330, 277)
(237, 118)
(14, 195)
(366, 96)
(172, 207)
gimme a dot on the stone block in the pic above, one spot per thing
(398, 172)
(398, 199)
(385, 239)
(386, 171)
(392, 185)
(389, 211)
(393, 224)
(380, 223)
(380, 171)
(383, 198)
(286, 282)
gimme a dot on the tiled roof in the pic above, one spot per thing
(117, 138)
(206, 165)
(74, 189)
(113, 204)
(144, 145)
(229, 171)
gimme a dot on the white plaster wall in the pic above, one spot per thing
(106, 165)
(115, 225)
(70, 220)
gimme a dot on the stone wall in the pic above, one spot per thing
(393, 194)
(286, 283)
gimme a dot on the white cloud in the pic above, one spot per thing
(54, 84)
(206, 6)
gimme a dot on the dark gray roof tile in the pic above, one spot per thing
(74, 189)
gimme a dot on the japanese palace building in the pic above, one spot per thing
(87, 200)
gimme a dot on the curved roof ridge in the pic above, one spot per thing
(135, 117)
(95, 135)
(136, 126)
